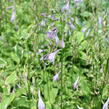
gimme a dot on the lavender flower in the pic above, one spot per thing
(43, 23)
(71, 25)
(72, 19)
(66, 7)
(41, 104)
(52, 34)
(105, 106)
(62, 43)
(40, 51)
(54, 18)
(50, 57)
(43, 14)
(100, 20)
(56, 77)
(10, 7)
(75, 85)
(13, 16)
(57, 39)
(78, 1)
(84, 30)
(52, 24)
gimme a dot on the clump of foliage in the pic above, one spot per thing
(60, 47)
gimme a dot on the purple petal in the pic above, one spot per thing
(75, 85)
(50, 57)
(13, 16)
(71, 25)
(84, 29)
(105, 106)
(78, 1)
(56, 77)
(43, 23)
(72, 19)
(52, 34)
(40, 51)
(41, 104)
(66, 7)
(100, 20)
(57, 39)
(62, 43)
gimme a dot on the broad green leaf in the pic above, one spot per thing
(50, 94)
(11, 79)
(79, 36)
(21, 102)
(53, 95)
(7, 101)
(86, 14)
(84, 87)
(105, 92)
(20, 91)
(2, 63)
(15, 57)
(48, 105)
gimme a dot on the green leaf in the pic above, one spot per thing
(48, 105)
(50, 94)
(83, 45)
(105, 92)
(15, 57)
(7, 101)
(86, 14)
(46, 94)
(11, 79)
(21, 102)
(53, 95)
(20, 91)
(79, 37)
(84, 87)
(2, 63)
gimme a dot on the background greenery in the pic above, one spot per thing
(86, 54)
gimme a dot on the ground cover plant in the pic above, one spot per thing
(54, 54)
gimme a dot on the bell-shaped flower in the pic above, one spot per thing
(53, 17)
(84, 30)
(72, 19)
(10, 7)
(57, 40)
(42, 23)
(43, 14)
(56, 77)
(100, 20)
(41, 104)
(105, 106)
(62, 43)
(52, 34)
(66, 7)
(50, 57)
(78, 1)
(76, 83)
(71, 25)
(40, 51)
(13, 16)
